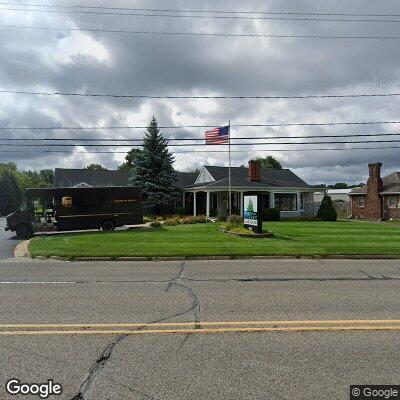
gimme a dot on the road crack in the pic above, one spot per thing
(101, 362)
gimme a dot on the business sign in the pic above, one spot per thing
(252, 213)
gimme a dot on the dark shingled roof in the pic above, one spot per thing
(391, 184)
(72, 177)
(239, 178)
(185, 178)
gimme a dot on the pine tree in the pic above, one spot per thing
(153, 170)
(326, 210)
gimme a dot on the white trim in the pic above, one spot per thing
(204, 174)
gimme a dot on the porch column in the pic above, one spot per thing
(208, 204)
(272, 200)
(241, 203)
(298, 202)
(183, 200)
(194, 204)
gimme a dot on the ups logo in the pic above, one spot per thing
(66, 201)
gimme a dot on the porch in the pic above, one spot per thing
(214, 203)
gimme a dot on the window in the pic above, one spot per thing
(286, 201)
(361, 201)
(392, 202)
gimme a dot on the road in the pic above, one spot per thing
(8, 241)
(187, 365)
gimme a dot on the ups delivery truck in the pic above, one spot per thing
(63, 209)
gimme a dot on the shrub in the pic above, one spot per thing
(155, 224)
(172, 221)
(147, 219)
(202, 219)
(272, 214)
(234, 219)
(326, 210)
(181, 211)
(221, 219)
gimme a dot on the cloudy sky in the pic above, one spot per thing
(102, 62)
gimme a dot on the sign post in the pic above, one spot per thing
(252, 213)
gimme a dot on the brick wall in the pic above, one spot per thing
(391, 212)
(373, 201)
(358, 212)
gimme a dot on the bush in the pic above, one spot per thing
(147, 219)
(181, 211)
(155, 224)
(202, 219)
(172, 221)
(222, 219)
(272, 214)
(234, 219)
(326, 210)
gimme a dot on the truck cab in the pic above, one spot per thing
(32, 215)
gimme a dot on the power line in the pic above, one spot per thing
(196, 126)
(205, 11)
(201, 138)
(237, 17)
(204, 151)
(130, 96)
(204, 34)
(198, 144)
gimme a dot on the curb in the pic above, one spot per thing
(21, 250)
(311, 257)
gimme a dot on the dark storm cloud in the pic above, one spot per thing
(127, 64)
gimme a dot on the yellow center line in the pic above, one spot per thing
(207, 327)
(205, 323)
(207, 331)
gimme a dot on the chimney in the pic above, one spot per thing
(254, 171)
(373, 201)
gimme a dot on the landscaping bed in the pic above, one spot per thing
(194, 240)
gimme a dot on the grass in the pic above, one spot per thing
(291, 238)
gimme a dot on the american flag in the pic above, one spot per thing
(218, 135)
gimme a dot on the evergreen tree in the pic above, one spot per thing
(326, 210)
(153, 170)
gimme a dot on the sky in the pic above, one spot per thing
(102, 62)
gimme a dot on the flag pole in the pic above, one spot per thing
(229, 147)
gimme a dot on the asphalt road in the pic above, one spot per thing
(267, 365)
(8, 241)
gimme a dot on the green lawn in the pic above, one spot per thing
(291, 238)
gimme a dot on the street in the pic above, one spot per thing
(8, 241)
(229, 365)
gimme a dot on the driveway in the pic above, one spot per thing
(8, 241)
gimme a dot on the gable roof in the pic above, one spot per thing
(239, 178)
(391, 184)
(185, 178)
(82, 177)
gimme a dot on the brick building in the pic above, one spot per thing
(379, 198)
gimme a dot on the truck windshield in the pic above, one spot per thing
(25, 205)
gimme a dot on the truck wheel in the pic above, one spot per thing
(23, 231)
(108, 226)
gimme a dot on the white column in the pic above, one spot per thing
(208, 204)
(298, 202)
(241, 203)
(272, 200)
(194, 204)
